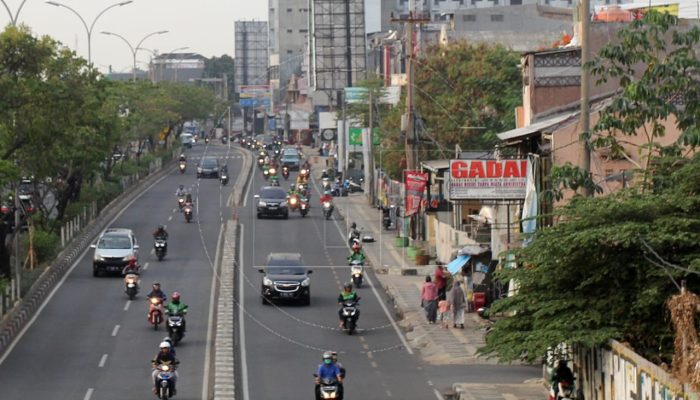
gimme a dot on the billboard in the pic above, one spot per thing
(487, 179)
(415, 183)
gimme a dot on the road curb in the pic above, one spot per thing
(15, 321)
(224, 343)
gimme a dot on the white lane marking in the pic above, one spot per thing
(210, 323)
(88, 395)
(153, 251)
(115, 330)
(126, 306)
(170, 218)
(241, 318)
(103, 360)
(145, 266)
(70, 271)
(381, 301)
(438, 395)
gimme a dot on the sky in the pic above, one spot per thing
(205, 26)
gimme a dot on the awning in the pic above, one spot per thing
(545, 125)
(435, 165)
(456, 265)
(472, 250)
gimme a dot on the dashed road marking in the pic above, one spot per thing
(115, 330)
(374, 364)
(126, 306)
(88, 395)
(145, 266)
(170, 218)
(103, 360)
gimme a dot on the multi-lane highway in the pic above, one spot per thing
(284, 343)
(90, 342)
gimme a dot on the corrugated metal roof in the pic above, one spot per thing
(435, 165)
(544, 125)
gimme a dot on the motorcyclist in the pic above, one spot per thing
(131, 268)
(328, 370)
(164, 357)
(302, 179)
(292, 190)
(336, 362)
(175, 307)
(356, 253)
(170, 342)
(327, 197)
(183, 158)
(180, 191)
(188, 199)
(562, 373)
(346, 295)
(160, 233)
(157, 292)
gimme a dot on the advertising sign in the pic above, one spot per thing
(487, 179)
(355, 136)
(415, 183)
(356, 95)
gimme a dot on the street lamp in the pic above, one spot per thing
(89, 30)
(155, 55)
(133, 49)
(13, 19)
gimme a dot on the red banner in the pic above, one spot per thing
(415, 183)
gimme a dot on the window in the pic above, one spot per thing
(289, 31)
(289, 52)
(469, 18)
(516, 2)
(496, 17)
(303, 31)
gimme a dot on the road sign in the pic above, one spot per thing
(356, 95)
(355, 136)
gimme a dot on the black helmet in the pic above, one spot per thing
(353, 225)
(182, 186)
(161, 227)
(347, 286)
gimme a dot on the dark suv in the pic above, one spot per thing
(285, 278)
(272, 200)
(208, 168)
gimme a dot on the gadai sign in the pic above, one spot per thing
(487, 179)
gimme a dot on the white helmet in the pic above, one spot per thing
(164, 345)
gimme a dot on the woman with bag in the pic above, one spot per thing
(429, 297)
(458, 303)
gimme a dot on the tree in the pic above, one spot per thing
(598, 274)
(656, 64)
(215, 67)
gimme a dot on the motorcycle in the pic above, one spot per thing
(261, 161)
(325, 184)
(353, 235)
(165, 381)
(131, 283)
(206, 140)
(304, 206)
(175, 331)
(293, 201)
(357, 271)
(353, 187)
(161, 248)
(224, 178)
(327, 209)
(181, 202)
(188, 213)
(155, 311)
(285, 172)
(567, 391)
(386, 217)
(328, 389)
(266, 171)
(350, 314)
(182, 166)
(274, 180)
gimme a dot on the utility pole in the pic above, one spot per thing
(18, 272)
(367, 152)
(585, 161)
(410, 140)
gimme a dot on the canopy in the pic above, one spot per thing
(456, 265)
(472, 250)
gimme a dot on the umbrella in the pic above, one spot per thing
(456, 265)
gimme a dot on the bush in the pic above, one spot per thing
(45, 245)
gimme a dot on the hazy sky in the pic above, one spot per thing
(205, 26)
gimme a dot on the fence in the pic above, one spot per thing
(74, 226)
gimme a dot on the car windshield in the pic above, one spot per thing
(290, 157)
(209, 163)
(285, 269)
(115, 242)
(272, 194)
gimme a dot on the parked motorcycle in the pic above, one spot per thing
(155, 312)
(357, 271)
(285, 172)
(165, 381)
(161, 248)
(131, 285)
(327, 209)
(182, 165)
(175, 327)
(350, 313)
(188, 213)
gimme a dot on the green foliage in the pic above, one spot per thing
(572, 177)
(215, 67)
(590, 278)
(45, 246)
(655, 63)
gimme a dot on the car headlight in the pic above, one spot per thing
(283, 204)
(99, 258)
(306, 282)
(127, 258)
(262, 204)
(267, 281)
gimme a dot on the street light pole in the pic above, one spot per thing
(13, 19)
(92, 26)
(133, 49)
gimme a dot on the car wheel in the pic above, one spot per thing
(286, 215)
(265, 302)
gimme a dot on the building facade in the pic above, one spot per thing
(177, 67)
(288, 36)
(252, 58)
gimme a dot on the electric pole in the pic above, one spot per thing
(585, 161)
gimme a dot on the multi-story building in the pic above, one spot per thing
(288, 35)
(177, 67)
(251, 61)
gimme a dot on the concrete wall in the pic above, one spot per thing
(617, 373)
(447, 240)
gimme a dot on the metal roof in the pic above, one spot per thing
(435, 165)
(545, 125)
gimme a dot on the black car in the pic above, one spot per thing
(208, 168)
(272, 200)
(285, 278)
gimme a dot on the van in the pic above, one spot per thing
(187, 140)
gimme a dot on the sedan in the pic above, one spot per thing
(208, 168)
(272, 201)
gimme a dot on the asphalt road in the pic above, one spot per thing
(284, 343)
(90, 342)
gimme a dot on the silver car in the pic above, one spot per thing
(113, 250)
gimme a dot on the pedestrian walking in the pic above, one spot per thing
(429, 297)
(444, 313)
(458, 303)
(441, 282)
